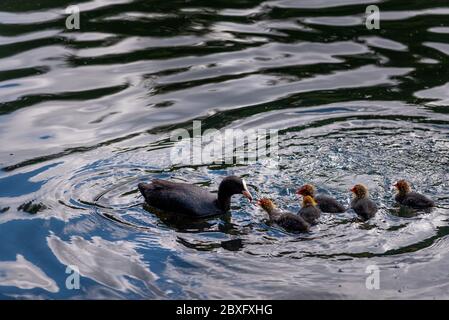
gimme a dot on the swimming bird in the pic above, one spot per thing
(309, 210)
(193, 200)
(325, 203)
(286, 220)
(411, 199)
(361, 203)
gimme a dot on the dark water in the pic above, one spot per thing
(85, 115)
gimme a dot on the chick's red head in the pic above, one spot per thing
(360, 190)
(308, 201)
(402, 186)
(266, 203)
(306, 190)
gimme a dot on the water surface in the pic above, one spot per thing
(86, 114)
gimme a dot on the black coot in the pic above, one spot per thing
(192, 200)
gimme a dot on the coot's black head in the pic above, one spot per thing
(143, 187)
(234, 185)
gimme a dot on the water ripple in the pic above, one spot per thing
(86, 114)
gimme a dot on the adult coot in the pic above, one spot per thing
(192, 200)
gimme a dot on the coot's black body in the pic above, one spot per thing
(291, 222)
(311, 214)
(411, 199)
(190, 199)
(414, 200)
(329, 204)
(324, 203)
(364, 207)
(286, 220)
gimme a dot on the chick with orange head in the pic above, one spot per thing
(286, 220)
(309, 210)
(325, 203)
(409, 198)
(361, 203)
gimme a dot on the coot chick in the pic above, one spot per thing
(192, 200)
(309, 210)
(362, 205)
(411, 199)
(286, 220)
(325, 203)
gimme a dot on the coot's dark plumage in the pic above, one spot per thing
(362, 205)
(309, 210)
(411, 199)
(325, 203)
(286, 220)
(192, 200)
